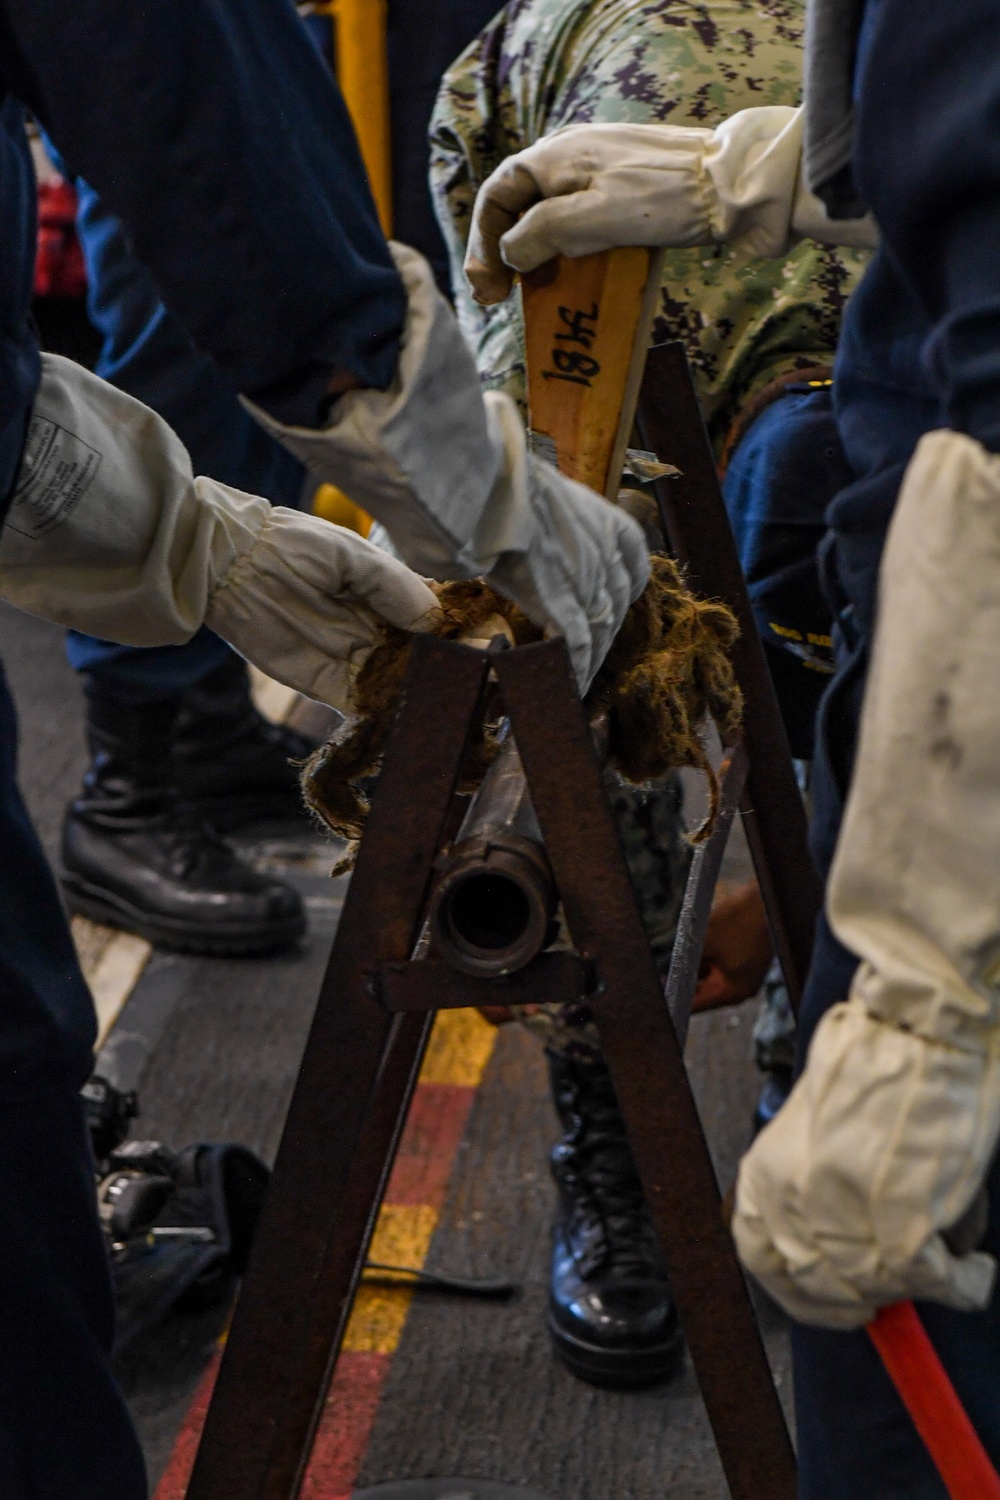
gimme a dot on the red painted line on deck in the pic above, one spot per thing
(420, 1176)
(434, 1128)
(178, 1471)
(345, 1426)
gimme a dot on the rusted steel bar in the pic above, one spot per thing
(347, 1110)
(698, 530)
(648, 1072)
(692, 924)
(551, 978)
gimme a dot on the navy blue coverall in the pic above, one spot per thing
(148, 352)
(920, 350)
(211, 128)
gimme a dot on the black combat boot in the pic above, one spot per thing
(232, 766)
(611, 1314)
(133, 857)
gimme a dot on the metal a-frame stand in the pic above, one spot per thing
(376, 1008)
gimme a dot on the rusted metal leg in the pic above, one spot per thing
(347, 1111)
(703, 876)
(697, 526)
(648, 1072)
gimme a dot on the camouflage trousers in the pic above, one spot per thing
(650, 824)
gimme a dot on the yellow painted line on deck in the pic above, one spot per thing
(111, 962)
(402, 1238)
(459, 1049)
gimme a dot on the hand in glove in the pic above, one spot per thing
(888, 1135)
(587, 188)
(108, 532)
(446, 470)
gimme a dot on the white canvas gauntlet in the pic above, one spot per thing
(110, 533)
(446, 471)
(889, 1133)
(587, 188)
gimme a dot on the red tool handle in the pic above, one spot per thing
(931, 1399)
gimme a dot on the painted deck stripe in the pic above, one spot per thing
(175, 1476)
(459, 1050)
(111, 962)
(435, 1126)
(345, 1426)
(402, 1238)
(348, 1416)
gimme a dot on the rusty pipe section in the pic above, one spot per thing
(494, 903)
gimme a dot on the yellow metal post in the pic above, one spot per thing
(331, 504)
(362, 61)
(363, 75)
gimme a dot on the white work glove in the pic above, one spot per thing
(446, 470)
(888, 1135)
(587, 188)
(109, 532)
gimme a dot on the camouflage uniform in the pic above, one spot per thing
(651, 830)
(542, 64)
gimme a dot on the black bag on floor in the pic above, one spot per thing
(178, 1224)
(179, 1227)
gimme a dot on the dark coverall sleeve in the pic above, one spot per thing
(928, 161)
(212, 129)
(920, 345)
(920, 351)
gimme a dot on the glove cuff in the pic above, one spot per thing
(915, 885)
(418, 456)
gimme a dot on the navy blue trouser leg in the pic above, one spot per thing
(146, 674)
(64, 1430)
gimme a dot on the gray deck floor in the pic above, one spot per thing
(213, 1046)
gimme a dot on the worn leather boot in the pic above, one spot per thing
(611, 1315)
(133, 857)
(234, 767)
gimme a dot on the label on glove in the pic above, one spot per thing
(56, 471)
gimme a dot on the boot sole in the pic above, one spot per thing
(618, 1369)
(235, 941)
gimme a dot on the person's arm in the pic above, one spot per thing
(928, 163)
(587, 188)
(844, 1201)
(243, 191)
(148, 353)
(214, 132)
(110, 532)
(475, 123)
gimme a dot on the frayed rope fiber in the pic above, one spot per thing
(667, 670)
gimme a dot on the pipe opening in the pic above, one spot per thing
(488, 912)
